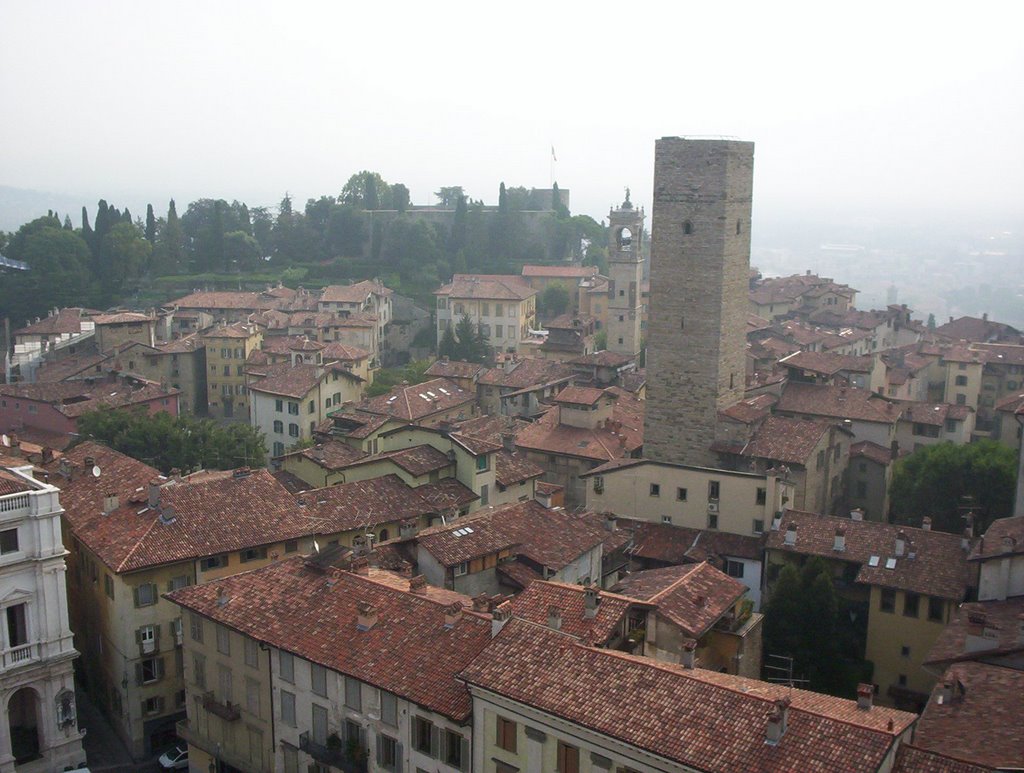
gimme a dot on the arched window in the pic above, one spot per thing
(624, 238)
(687, 228)
(383, 535)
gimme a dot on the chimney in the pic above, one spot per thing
(790, 538)
(407, 528)
(241, 472)
(857, 514)
(965, 541)
(984, 316)
(452, 614)
(109, 502)
(554, 618)
(901, 543)
(47, 455)
(839, 544)
(981, 635)
(777, 721)
(360, 565)
(926, 523)
(611, 522)
(689, 650)
(367, 615)
(87, 462)
(15, 445)
(499, 616)
(176, 474)
(417, 584)
(865, 695)
(481, 602)
(154, 494)
(508, 442)
(591, 600)
(222, 597)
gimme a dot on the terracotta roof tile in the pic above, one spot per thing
(539, 596)
(693, 596)
(73, 398)
(706, 721)
(224, 300)
(330, 454)
(604, 359)
(826, 363)
(363, 503)
(447, 494)
(933, 563)
(836, 402)
(577, 395)
(488, 287)
(65, 321)
(1003, 537)
(670, 544)
(418, 401)
(785, 439)
(313, 613)
(910, 759)
(526, 372)
(551, 538)
(873, 451)
(122, 317)
(982, 722)
(980, 630)
(620, 437)
(455, 369)
(353, 293)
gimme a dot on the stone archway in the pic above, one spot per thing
(24, 718)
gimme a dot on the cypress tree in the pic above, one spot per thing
(150, 224)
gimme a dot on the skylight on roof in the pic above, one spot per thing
(873, 561)
(392, 398)
(890, 563)
(424, 397)
(431, 394)
(463, 531)
(443, 390)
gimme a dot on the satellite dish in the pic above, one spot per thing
(6, 440)
(95, 471)
(316, 547)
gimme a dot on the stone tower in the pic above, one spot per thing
(700, 264)
(625, 274)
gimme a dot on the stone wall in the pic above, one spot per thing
(700, 261)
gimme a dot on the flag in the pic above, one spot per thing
(553, 156)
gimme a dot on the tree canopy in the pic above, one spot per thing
(465, 343)
(554, 300)
(935, 480)
(167, 442)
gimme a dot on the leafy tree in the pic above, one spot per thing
(553, 301)
(241, 251)
(934, 480)
(448, 346)
(387, 378)
(601, 340)
(399, 197)
(366, 190)
(169, 255)
(556, 202)
(166, 442)
(346, 231)
(448, 196)
(127, 254)
(802, 619)
(470, 344)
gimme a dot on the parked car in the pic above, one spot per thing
(175, 758)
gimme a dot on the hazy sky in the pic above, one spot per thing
(866, 107)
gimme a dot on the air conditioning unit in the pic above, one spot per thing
(712, 507)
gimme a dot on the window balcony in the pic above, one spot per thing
(20, 655)
(339, 757)
(226, 711)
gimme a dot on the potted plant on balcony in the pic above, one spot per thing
(334, 742)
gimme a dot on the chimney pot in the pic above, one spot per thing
(554, 617)
(481, 602)
(857, 514)
(689, 650)
(361, 566)
(865, 696)
(591, 600)
(366, 615)
(840, 540)
(926, 523)
(452, 614)
(500, 615)
(790, 538)
(154, 494)
(418, 584)
(901, 543)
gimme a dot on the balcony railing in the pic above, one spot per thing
(226, 711)
(14, 502)
(16, 656)
(335, 758)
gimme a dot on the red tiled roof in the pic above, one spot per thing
(65, 321)
(539, 596)
(353, 293)
(526, 372)
(934, 414)
(11, 483)
(974, 329)
(121, 318)
(751, 409)
(204, 518)
(566, 272)
(499, 287)
(76, 364)
(619, 437)
(509, 468)
(447, 494)
(576, 395)
(873, 451)
(837, 402)
(455, 369)
(518, 574)
(362, 503)
(938, 567)
(982, 723)
(604, 359)
(313, 613)
(670, 544)
(330, 454)
(693, 596)
(551, 538)
(707, 721)
(412, 403)
(225, 300)
(785, 439)
(1000, 620)
(826, 363)
(1011, 403)
(73, 398)
(234, 330)
(293, 380)
(1003, 537)
(910, 759)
